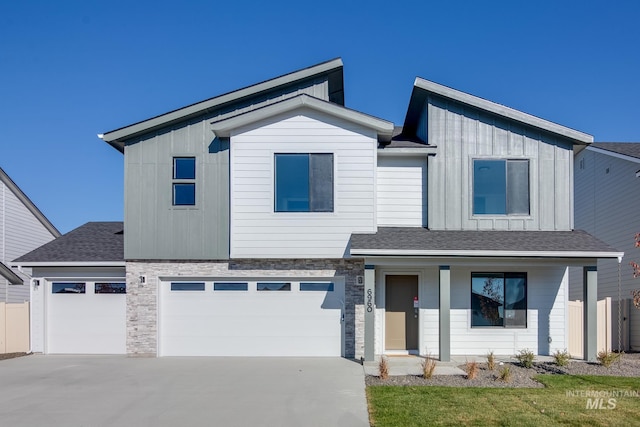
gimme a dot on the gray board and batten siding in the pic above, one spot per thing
(607, 204)
(154, 229)
(463, 133)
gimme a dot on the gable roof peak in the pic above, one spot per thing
(422, 87)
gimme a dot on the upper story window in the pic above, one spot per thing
(304, 182)
(184, 185)
(501, 187)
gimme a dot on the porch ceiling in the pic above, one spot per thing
(406, 241)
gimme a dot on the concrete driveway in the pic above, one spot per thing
(180, 391)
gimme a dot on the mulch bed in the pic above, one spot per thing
(628, 366)
(4, 356)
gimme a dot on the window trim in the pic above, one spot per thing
(505, 275)
(309, 193)
(175, 182)
(506, 160)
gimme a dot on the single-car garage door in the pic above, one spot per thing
(86, 317)
(251, 318)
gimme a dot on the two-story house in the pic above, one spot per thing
(275, 221)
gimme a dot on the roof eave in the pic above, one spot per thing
(70, 264)
(431, 150)
(484, 253)
(118, 135)
(222, 128)
(575, 136)
(8, 274)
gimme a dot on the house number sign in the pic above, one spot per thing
(369, 300)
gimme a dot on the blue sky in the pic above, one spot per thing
(72, 69)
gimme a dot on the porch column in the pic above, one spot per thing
(445, 313)
(369, 312)
(590, 313)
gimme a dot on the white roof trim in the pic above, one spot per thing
(502, 110)
(222, 128)
(613, 154)
(71, 264)
(483, 253)
(219, 100)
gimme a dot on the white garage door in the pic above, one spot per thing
(86, 317)
(255, 318)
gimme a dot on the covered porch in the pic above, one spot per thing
(447, 294)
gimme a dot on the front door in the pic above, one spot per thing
(401, 320)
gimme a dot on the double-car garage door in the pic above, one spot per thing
(251, 318)
(203, 317)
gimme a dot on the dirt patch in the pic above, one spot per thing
(4, 356)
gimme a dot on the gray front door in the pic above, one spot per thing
(401, 322)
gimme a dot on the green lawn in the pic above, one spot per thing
(550, 406)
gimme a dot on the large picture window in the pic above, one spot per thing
(304, 182)
(500, 187)
(499, 299)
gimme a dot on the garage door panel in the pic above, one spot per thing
(251, 323)
(86, 323)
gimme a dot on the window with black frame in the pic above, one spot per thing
(499, 300)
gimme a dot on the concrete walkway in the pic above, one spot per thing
(412, 365)
(119, 391)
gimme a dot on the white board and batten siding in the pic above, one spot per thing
(402, 191)
(20, 233)
(259, 232)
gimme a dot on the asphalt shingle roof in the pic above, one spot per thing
(627, 148)
(91, 242)
(421, 239)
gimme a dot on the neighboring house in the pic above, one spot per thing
(22, 228)
(274, 221)
(607, 205)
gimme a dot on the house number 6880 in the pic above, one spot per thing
(369, 300)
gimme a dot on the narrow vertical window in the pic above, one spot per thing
(184, 185)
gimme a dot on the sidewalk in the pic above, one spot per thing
(412, 365)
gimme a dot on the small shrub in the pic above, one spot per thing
(471, 368)
(491, 361)
(525, 357)
(383, 367)
(505, 374)
(606, 358)
(561, 358)
(428, 366)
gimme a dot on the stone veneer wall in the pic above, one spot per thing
(142, 298)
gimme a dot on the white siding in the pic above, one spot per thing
(401, 191)
(259, 232)
(20, 233)
(546, 309)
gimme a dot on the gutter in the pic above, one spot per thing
(485, 254)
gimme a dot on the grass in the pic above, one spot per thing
(549, 406)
